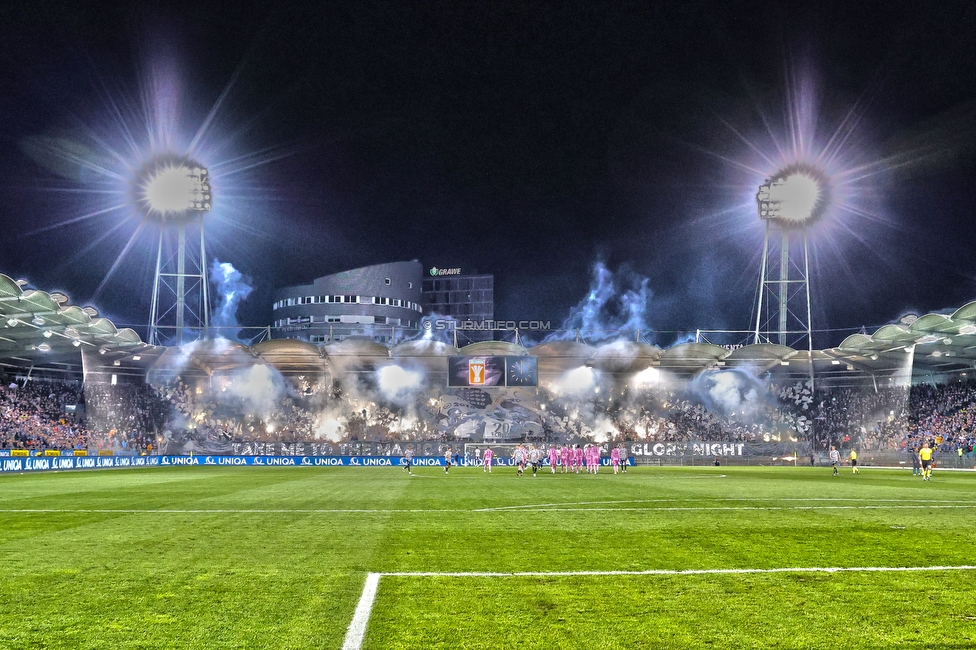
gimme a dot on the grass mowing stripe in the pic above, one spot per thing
(502, 510)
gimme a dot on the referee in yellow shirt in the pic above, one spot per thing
(925, 455)
(854, 461)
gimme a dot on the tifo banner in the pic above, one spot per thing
(707, 449)
(693, 448)
(42, 463)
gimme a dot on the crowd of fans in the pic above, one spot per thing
(33, 416)
(678, 415)
(60, 415)
(139, 418)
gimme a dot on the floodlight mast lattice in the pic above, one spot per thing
(789, 203)
(175, 193)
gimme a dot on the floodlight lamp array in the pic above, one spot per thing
(173, 188)
(794, 197)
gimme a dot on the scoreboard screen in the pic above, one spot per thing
(492, 371)
(521, 371)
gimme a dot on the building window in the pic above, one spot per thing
(386, 281)
(410, 285)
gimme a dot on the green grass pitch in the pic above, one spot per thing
(214, 557)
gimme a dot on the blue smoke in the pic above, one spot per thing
(435, 327)
(231, 289)
(615, 304)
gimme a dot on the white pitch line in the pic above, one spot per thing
(566, 505)
(731, 508)
(671, 572)
(357, 628)
(548, 508)
(570, 503)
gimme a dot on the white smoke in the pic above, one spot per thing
(576, 382)
(256, 389)
(731, 392)
(646, 378)
(603, 429)
(329, 426)
(399, 385)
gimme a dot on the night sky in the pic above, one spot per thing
(528, 140)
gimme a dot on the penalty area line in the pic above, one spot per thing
(360, 620)
(671, 572)
(357, 628)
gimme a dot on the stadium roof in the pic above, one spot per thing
(935, 345)
(42, 330)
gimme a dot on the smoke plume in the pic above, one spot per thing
(730, 392)
(231, 288)
(615, 302)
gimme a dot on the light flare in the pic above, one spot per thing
(134, 163)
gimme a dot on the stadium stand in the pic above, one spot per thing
(138, 418)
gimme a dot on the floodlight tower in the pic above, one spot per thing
(789, 203)
(175, 193)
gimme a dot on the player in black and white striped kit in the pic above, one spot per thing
(535, 456)
(834, 459)
(519, 457)
(408, 456)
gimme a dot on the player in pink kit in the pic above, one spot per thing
(489, 456)
(577, 458)
(615, 459)
(595, 455)
(564, 458)
(553, 458)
